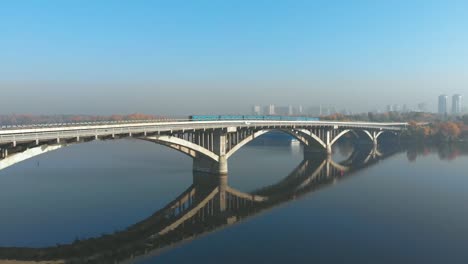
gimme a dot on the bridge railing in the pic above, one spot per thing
(70, 124)
(110, 122)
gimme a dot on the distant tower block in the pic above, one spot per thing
(256, 110)
(443, 104)
(456, 104)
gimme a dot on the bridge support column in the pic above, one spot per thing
(374, 135)
(328, 150)
(374, 138)
(219, 148)
(222, 165)
(4, 153)
(328, 147)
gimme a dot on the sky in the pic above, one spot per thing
(201, 57)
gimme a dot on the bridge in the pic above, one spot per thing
(207, 205)
(209, 143)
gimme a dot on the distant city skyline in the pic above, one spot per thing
(168, 58)
(443, 105)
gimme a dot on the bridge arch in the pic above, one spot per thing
(294, 133)
(181, 145)
(312, 136)
(342, 133)
(191, 149)
(27, 154)
(374, 135)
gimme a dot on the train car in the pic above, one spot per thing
(250, 117)
(231, 117)
(204, 117)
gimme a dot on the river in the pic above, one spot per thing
(391, 205)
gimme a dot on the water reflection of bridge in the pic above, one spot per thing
(208, 204)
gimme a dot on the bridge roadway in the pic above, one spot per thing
(209, 143)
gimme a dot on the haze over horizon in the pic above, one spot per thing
(184, 57)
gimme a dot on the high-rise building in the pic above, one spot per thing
(405, 109)
(256, 110)
(422, 107)
(443, 104)
(456, 104)
(271, 109)
(290, 110)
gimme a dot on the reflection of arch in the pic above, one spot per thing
(373, 154)
(339, 166)
(313, 175)
(194, 212)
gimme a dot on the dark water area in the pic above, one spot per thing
(394, 204)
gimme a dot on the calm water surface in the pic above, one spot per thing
(410, 207)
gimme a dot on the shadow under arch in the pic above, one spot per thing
(205, 206)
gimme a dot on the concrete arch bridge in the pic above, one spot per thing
(209, 143)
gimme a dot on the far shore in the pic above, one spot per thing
(31, 262)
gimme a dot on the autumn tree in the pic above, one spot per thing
(450, 129)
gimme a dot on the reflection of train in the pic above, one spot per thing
(250, 117)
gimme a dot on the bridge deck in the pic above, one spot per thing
(89, 130)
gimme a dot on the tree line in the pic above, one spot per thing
(26, 119)
(437, 128)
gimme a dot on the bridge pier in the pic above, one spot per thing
(222, 165)
(206, 165)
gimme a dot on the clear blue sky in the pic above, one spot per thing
(182, 57)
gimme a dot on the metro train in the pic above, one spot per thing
(250, 117)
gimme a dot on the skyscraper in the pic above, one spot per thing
(256, 110)
(271, 109)
(456, 104)
(422, 107)
(443, 104)
(290, 110)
